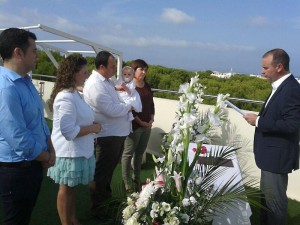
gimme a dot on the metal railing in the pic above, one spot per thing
(40, 76)
(213, 96)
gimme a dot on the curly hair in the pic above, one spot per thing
(65, 76)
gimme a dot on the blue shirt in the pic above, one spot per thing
(23, 129)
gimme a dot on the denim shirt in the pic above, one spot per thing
(23, 129)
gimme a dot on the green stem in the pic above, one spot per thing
(197, 153)
(185, 166)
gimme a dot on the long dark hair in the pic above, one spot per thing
(65, 77)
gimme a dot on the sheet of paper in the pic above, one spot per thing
(234, 107)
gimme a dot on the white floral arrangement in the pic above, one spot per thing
(179, 194)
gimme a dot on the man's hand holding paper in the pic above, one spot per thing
(250, 118)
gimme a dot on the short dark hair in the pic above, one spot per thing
(12, 38)
(102, 59)
(279, 57)
(139, 63)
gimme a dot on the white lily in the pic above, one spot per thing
(214, 119)
(188, 119)
(177, 178)
(161, 159)
(179, 148)
(191, 97)
(182, 104)
(200, 138)
(183, 88)
(194, 80)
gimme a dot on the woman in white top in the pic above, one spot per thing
(72, 136)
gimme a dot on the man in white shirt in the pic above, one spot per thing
(99, 92)
(276, 138)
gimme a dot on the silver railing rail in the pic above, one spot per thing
(213, 96)
(40, 76)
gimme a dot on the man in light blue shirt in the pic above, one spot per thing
(25, 145)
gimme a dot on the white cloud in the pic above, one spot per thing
(143, 42)
(223, 47)
(64, 24)
(51, 20)
(7, 20)
(176, 16)
(259, 21)
(35, 18)
(110, 40)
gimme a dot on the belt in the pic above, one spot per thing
(21, 164)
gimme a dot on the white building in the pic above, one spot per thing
(222, 75)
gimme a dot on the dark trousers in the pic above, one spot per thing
(273, 187)
(108, 153)
(19, 189)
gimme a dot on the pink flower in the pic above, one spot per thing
(203, 150)
(147, 182)
(159, 183)
(160, 179)
(194, 149)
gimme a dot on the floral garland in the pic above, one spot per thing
(179, 194)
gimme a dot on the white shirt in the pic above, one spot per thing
(69, 113)
(109, 111)
(275, 85)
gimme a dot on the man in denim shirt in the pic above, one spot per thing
(25, 145)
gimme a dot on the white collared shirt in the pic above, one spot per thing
(110, 112)
(275, 85)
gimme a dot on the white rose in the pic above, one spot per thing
(166, 206)
(128, 211)
(132, 221)
(193, 200)
(185, 202)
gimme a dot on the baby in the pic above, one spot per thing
(126, 90)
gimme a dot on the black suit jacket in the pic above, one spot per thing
(276, 139)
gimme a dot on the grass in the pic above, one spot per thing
(45, 212)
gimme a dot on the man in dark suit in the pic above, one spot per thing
(276, 139)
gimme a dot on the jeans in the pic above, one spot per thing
(134, 147)
(19, 189)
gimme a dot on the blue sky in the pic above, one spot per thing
(187, 34)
